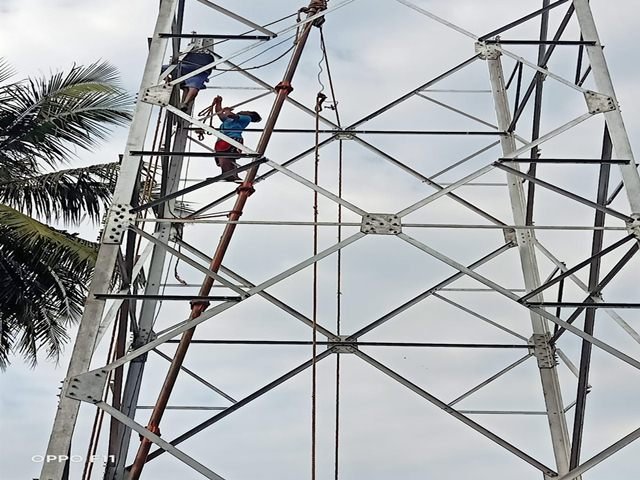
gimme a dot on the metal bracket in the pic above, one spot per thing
(341, 346)
(541, 348)
(158, 95)
(345, 135)
(510, 236)
(599, 103)
(381, 224)
(634, 227)
(118, 220)
(487, 51)
(88, 386)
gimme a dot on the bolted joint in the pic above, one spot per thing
(633, 227)
(345, 135)
(204, 304)
(286, 86)
(381, 224)
(599, 103)
(118, 221)
(155, 429)
(157, 95)
(487, 51)
(248, 190)
(341, 345)
(87, 387)
(545, 353)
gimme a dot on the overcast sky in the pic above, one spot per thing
(378, 50)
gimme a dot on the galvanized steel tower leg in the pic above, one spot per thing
(526, 244)
(617, 130)
(164, 232)
(67, 412)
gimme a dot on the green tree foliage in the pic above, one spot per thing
(44, 271)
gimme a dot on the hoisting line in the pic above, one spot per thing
(314, 315)
(244, 191)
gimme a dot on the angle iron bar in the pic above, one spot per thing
(442, 191)
(433, 184)
(613, 118)
(182, 407)
(302, 23)
(341, 131)
(353, 343)
(460, 112)
(587, 161)
(561, 28)
(614, 315)
(109, 317)
(241, 403)
(264, 176)
(590, 315)
(539, 42)
(193, 263)
(481, 317)
(197, 377)
(293, 223)
(577, 267)
(548, 136)
(454, 413)
(152, 437)
(216, 36)
(509, 26)
(216, 133)
(594, 299)
(542, 70)
(143, 153)
(272, 89)
(567, 361)
(220, 308)
(464, 160)
(313, 186)
(67, 412)
(438, 19)
(143, 328)
(502, 412)
(427, 293)
(489, 380)
(198, 186)
(270, 298)
(537, 116)
(163, 297)
(564, 192)
(540, 311)
(237, 17)
(585, 305)
(603, 455)
(413, 92)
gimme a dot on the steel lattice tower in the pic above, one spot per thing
(378, 300)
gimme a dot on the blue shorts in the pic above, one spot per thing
(191, 62)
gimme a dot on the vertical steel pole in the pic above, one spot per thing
(615, 123)
(67, 412)
(590, 315)
(526, 241)
(244, 190)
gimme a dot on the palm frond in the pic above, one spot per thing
(66, 195)
(44, 119)
(6, 70)
(44, 275)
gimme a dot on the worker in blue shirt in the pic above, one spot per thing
(232, 125)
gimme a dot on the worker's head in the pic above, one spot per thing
(255, 116)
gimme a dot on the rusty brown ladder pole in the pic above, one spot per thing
(244, 191)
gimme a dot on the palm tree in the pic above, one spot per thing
(44, 271)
